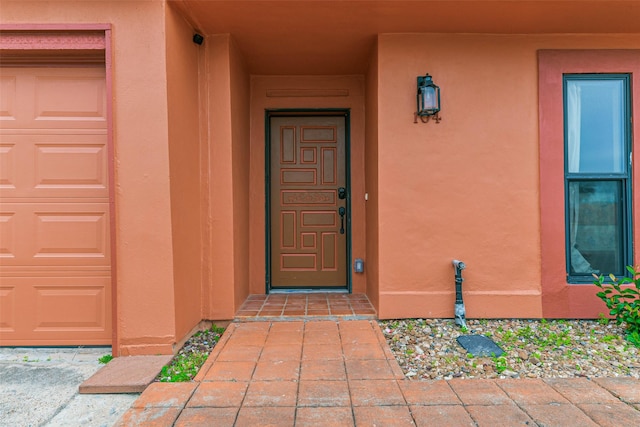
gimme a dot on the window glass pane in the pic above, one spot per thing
(595, 227)
(595, 125)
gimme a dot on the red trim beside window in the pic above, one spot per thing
(559, 298)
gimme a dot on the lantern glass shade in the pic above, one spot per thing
(428, 96)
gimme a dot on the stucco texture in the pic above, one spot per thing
(468, 187)
(188, 133)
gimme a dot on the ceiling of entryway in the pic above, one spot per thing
(335, 36)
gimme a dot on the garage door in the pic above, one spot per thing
(55, 266)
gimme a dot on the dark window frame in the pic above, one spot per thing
(624, 178)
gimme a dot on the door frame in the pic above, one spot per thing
(306, 112)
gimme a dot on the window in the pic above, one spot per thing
(597, 144)
(599, 173)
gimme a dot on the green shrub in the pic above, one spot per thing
(501, 363)
(623, 301)
(186, 364)
(184, 367)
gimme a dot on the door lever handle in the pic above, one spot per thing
(342, 211)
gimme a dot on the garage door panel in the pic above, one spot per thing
(7, 308)
(55, 257)
(64, 98)
(46, 165)
(72, 236)
(63, 309)
(53, 98)
(7, 166)
(55, 234)
(8, 233)
(72, 308)
(70, 167)
(8, 97)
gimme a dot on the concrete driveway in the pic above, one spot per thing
(39, 387)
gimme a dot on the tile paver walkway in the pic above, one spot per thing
(342, 373)
(335, 306)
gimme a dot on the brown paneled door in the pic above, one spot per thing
(308, 203)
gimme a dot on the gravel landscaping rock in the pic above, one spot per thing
(427, 349)
(201, 342)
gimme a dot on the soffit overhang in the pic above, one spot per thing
(336, 36)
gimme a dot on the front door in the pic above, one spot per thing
(308, 202)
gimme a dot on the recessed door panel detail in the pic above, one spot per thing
(304, 198)
(55, 256)
(77, 307)
(306, 246)
(288, 228)
(298, 262)
(308, 240)
(7, 97)
(329, 253)
(7, 309)
(7, 160)
(71, 165)
(328, 165)
(53, 100)
(52, 235)
(7, 233)
(319, 219)
(71, 235)
(288, 145)
(298, 176)
(308, 155)
(312, 134)
(46, 165)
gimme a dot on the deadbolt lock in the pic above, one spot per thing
(342, 193)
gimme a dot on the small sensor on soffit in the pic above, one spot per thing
(198, 39)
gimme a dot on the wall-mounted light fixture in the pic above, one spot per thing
(427, 100)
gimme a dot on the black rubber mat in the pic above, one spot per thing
(479, 345)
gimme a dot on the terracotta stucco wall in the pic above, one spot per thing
(219, 289)
(466, 188)
(184, 162)
(227, 102)
(143, 218)
(240, 125)
(371, 176)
